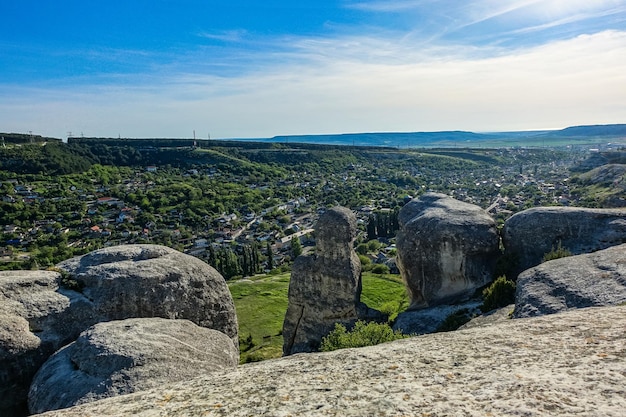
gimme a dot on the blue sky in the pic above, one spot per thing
(157, 68)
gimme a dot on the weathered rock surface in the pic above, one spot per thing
(325, 288)
(595, 279)
(446, 249)
(37, 317)
(530, 234)
(155, 281)
(121, 357)
(568, 364)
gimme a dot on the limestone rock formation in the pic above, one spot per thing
(595, 279)
(325, 288)
(37, 317)
(530, 234)
(121, 357)
(568, 364)
(446, 249)
(155, 281)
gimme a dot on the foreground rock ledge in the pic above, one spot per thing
(566, 364)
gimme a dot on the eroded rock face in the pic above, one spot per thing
(567, 364)
(530, 234)
(155, 281)
(325, 288)
(446, 249)
(595, 279)
(121, 357)
(37, 317)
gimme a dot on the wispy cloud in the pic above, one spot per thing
(350, 84)
(236, 35)
(389, 6)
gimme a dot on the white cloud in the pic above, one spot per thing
(352, 84)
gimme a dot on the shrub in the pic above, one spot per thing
(363, 334)
(455, 320)
(500, 293)
(380, 269)
(556, 253)
(364, 260)
(393, 308)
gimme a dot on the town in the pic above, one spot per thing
(258, 211)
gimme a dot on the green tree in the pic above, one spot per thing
(296, 247)
(270, 256)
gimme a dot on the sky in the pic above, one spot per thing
(254, 69)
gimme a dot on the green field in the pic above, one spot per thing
(261, 303)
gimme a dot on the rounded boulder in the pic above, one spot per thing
(125, 356)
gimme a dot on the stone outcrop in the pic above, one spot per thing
(39, 313)
(595, 279)
(121, 357)
(325, 288)
(532, 233)
(568, 364)
(446, 249)
(37, 317)
(155, 281)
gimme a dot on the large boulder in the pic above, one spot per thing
(446, 249)
(38, 315)
(325, 288)
(530, 234)
(42, 311)
(595, 279)
(121, 357)
(154, 281)
(568, 364)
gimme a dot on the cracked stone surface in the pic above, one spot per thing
(567, 364)
(595, 279)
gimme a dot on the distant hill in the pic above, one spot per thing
(591, 130)
(394, 139)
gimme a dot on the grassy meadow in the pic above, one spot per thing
(261, 303)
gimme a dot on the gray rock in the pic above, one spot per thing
(488, 319)
(568, 364)
(325, 288)
(121, 357)
(429, 320)
(595, 279)
(530, 234)
(446, 249)
(37, 317)
(155, 281)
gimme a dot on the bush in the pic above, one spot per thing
(393, 308)
(455, 320)
(500, 293)
(556, 253)
(365, 261)
(363, 334)
(380, 269)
